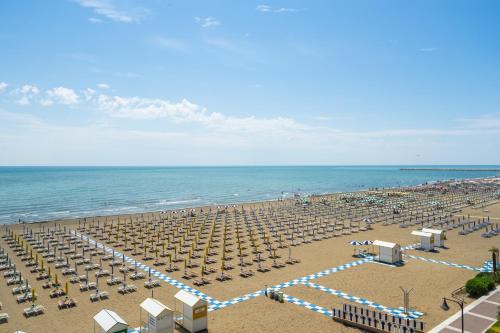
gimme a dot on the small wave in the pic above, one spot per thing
(65, 212)
(175, 202)
(120, 209)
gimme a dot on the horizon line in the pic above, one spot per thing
(227, 165)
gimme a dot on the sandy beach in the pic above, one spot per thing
(372, 281)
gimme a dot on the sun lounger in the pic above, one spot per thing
(4, 317)
(189, 275)
(263, 269)
(94, 297)
(246, 273)
(24, 298)
(137, 276)
(114, 281)
(28, 312)
(66, 304)
(172, 268)
(103, 295)
(20, 289)
(127, 289)
(56, 293)
(223, 277)
(278, 264)
(201, 282)
(152, 284)
(292, 261)
(102, 273)
(209, 270)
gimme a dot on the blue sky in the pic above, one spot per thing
(170, 82)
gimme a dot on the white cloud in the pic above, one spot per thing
(428, 49)
(169, 43)
(108, 9)
(24, 100)
(270, 9)
(60, 95)
(207, 22)
(88, 94)
(26, 93)
(95, 20)
(46, 102)
(3, 85)
(29, 89)
(103, 86)
(188, 112)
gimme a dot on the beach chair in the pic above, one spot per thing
(28, 312)
(38, 310)
(189, 275)
(201, 282)
(172, 268)
(4, 317)
(263, 269)
(246, 273)
(103, 295)
(223, 277)
(130, 288)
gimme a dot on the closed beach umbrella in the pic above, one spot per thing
(355, 244)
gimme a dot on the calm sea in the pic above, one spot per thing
(47, 193)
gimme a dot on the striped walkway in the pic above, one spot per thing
(215, 304)
(397, 312)
(470, 268)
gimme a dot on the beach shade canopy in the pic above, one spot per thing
(355, 243)
(109, 321)
(367, 242)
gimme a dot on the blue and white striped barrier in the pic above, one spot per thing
(397, 312)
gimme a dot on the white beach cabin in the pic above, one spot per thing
(388, 252)
(109, 322)
(439, 236)
(191, 312)
(426, 240)
(158, 317)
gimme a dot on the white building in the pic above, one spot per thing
(109, 322)
(426, 240)
(388, 252)
(191, 312)
(158, 318)
(439, 236)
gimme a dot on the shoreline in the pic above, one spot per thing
(324, 230)
(450, 169)
(240, 203)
